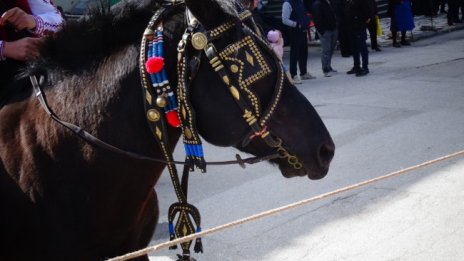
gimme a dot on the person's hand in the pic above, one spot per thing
(368, 21)
(24, 49)
(18, 18)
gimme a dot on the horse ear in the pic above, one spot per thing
(212, 13)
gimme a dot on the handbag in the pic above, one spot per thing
(379, 27)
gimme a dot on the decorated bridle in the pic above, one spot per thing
(239, 65)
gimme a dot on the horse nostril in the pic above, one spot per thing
(326, 153)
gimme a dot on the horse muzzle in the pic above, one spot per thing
(291, 165)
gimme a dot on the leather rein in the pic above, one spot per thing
(91, 139)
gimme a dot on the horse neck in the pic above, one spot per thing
(108, 103)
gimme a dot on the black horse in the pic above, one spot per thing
(64, 199)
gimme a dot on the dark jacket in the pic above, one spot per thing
(358, 12)
(324, 16)
(391, 6)
(299, 13)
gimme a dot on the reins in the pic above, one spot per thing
(242, 162)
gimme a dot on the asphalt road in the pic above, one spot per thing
(408, 110)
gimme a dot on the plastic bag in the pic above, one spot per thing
(379, 27)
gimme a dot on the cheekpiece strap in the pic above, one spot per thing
(159, 99)
(192, 142)
(248, 115)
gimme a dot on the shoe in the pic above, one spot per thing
(404, 42)
(296, 80)
(362, 72)
(354, 70)
(327, 74)
(396, 45)
(332, 70)
(307, 76)
(377, 49)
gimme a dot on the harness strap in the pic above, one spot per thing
(248, 115)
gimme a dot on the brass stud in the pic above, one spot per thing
(149, 34)
(188, 133)
(234, 68)
(153, 115)
(161, 102)
(199, 40)
(235, 92)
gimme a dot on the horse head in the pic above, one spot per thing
(280, 109)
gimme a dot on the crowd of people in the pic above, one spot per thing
(431, 8)
(23, 23)
(345, 23)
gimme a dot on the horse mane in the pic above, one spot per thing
(230, 6)
(81, 45)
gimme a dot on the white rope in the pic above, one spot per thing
(279, 209)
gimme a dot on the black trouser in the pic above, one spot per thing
(372, 27)
(453, 11)
(360, 49)
(298, 51)
(460, 6)
(344, 38)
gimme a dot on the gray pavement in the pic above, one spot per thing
(408, 110)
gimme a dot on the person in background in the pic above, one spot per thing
(260, 4)
(372, 26)
(276, 40)
(326, 22)
(453, 11)
(359, 15)
(22, 25)
(461, 7)
(294, 16)
(344, 28)
(401, 20)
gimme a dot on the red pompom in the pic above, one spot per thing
(154, 64)
(173, 118)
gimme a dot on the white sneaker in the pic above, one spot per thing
(307, 76)
(327, 74)
(296, 80)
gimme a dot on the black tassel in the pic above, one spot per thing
(200, 163)
(172, 235)
(189, 161)
(198, 246)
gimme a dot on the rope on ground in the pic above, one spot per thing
(153, 248)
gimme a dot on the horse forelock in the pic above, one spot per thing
(229, 7)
